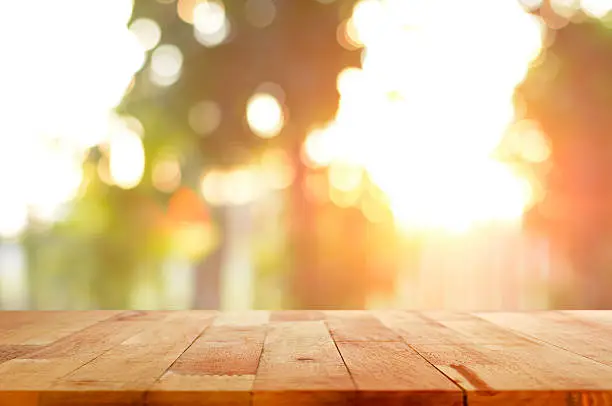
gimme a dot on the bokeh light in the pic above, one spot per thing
(265, 115)
(596, 8)
(531, 5)
(213, 39)
(185, 9)
(347, 35)
(166, 174)
(212, 188)
(147, 32)
(205, 117)
(526, 139)
(260, 13)
(277, 169)
(565, 8)
(209, 16)
(345, 177)
(234, 187)
(126, 158)
(166, 65)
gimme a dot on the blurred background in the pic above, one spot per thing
(281, 154)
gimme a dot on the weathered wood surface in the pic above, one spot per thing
(305, 358)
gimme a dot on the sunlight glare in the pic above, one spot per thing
(425, 112)
(54, 118)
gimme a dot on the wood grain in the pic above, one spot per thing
(300, 365)
(391, 373)
(38, 370)
(144, 358)
(42, 328)
(560, 330)
(96, 365)
(358, 326)
(138, 361)
(218, 368)
(518, 371)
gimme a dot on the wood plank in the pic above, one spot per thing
(86, 344)
(358, 326)
(201, 390)
(415, 328)
(601, 318)
(136, 363)
(300, 365)
(382, 358)
(445, 328)
(14, 319)
(37, 370)
(242, 326)
(560, 330)
(470, 329)
(219, 368)
(8, 352)
(517, 372)
(391, 373)
(42, 371)
(43, 328)
(69, 323)
(297, 315)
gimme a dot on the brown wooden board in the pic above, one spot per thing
(300, 365)
(199, 358)
(218, 368)
(516, 370)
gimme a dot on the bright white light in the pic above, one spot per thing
(265, 115)
(52, 112)
(127, 158)
(531, 4)
(597, 8)
(424, 130)
(167, 61)
(209, 17)
(213, 39)
(13, 218)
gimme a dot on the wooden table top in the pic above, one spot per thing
(305, 358)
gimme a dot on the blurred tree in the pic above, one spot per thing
(299, 52)
(568, 92)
